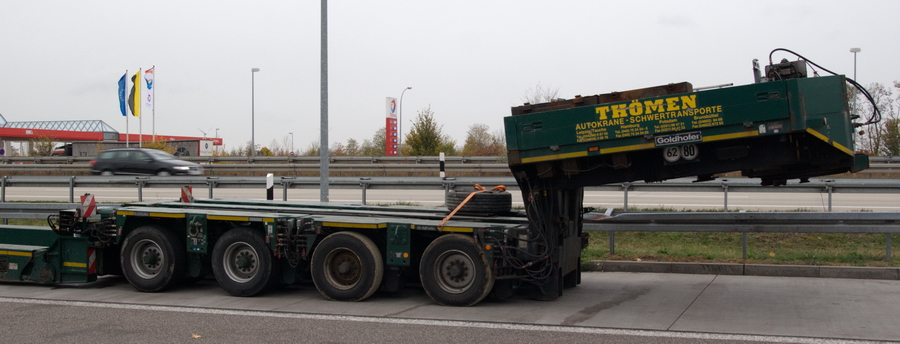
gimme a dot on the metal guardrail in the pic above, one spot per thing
(886, 223)
(339, 164)
(276, 159)
(289, 168)
(725, 185)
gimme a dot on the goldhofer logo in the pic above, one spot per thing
(675, 139)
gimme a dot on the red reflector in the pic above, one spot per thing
(92, 162)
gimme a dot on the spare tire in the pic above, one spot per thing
(490, 202)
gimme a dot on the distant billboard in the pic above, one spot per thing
(391, 135)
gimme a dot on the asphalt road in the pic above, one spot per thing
(751, 201)
(606, 307)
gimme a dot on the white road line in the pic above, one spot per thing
(447, 323)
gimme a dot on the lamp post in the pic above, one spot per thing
(854, 51)
(292, 143)
(217, 136)
(400, 122)
(253, 111)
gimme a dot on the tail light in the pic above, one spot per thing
(92, 162)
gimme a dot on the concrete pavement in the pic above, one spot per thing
(669, 303)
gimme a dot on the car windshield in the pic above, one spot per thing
(160, 155)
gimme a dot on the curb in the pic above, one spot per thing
(855, 272)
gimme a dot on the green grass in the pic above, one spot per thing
(762, 248)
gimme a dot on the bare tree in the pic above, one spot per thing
(540, 94)
(873, 139)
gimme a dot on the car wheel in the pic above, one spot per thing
(163, 173)
(106, 173)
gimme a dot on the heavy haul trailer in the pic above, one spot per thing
(789, 128)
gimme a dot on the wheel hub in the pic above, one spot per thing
(457, 271)
(245, 262)
(150, 258)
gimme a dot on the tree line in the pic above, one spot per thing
(426, 138)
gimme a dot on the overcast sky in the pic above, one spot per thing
(470, 61)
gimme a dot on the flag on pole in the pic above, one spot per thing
(122, 93)
(148, 87)
(134, 99)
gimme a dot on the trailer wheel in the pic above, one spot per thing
(455, 272)
(242, 263)
(151, 260)
(347, 266)
(490, 202)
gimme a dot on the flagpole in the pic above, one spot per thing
(140, 104)
(153, 101)
(127, 133)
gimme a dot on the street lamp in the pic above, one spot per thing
(292, 143)
(854, 51)
(217, 136)
(253, 110)
(400, 122)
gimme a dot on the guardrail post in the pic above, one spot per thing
(725, 189)
(447, 186)
(625, 187)
(365, 185)
(211, 184)
(612, 243)
(72, 189)
(887, 247)
(830, 188)
(140, 183)
(3, 196)
(285, 184)
(744, 244)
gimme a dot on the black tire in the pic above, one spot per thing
(455, 272)
(152, 258)
(163, 173)
(242, 263)
(490, 202)
(347, 266)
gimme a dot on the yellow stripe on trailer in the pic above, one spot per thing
(149, 214)
(458, 229)
(239, 218)
(15, 253)
(554, 157)
(626, 148)
(830, 141)
(354, 225)
(730, 136)
(75, 265)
